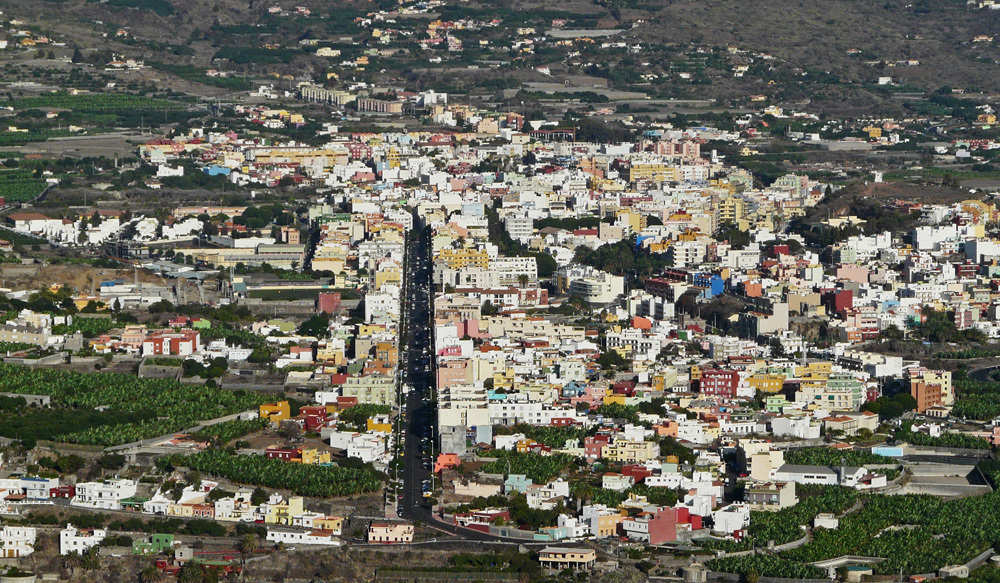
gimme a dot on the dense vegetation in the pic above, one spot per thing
(90, 327)
(905, 433)
(6, 347)
(785, 526)
(549, 435)
(825, 456)
(20, 185)
(539, 468)
(977, 400)
(137, 408)
(891, 407)
(94, 102)
(621, 258)
(914, 533)
(305, 480)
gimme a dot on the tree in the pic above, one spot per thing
(892, 332)
(111, 461)
(191, 572)
(523, 279)
(258, 497)
(317, 325)
(247, 545)
(611, 359)
(150, 575)
(161, 307)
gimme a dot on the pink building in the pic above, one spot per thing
(592, 396)
(453, 372)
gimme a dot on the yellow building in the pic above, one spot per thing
(814, 369)
(388, 276)
(379, 423)
(608, 525)
(523, 445)
(330, 354)
(387, 352)
(283, 512)
(461, 258)
(766, 382)
(729, 209)
(618, 399)
(312, 457)
(276, 412)
(942, 378)
(334, 523)
(658, 172)
(631, 451)
(636, 221)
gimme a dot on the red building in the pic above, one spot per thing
(637, 472)
(593, 446)
(313, 417)
(481, 519)
(282, 453)
(328, 303)
(662, 525)
(966, 270)
(180, 342)
(67, 491)
(719, 382)
(837, 301)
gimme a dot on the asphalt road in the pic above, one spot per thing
(420, 415)
(983, 374)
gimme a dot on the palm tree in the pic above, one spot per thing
(191, 572)
(247, 545)
(90, 560)
(583, 492)
(150, 575)
(71, 561)
(523, 279)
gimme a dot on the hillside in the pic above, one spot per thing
(828, 54)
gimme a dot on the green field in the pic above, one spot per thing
(20, 185)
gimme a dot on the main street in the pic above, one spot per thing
(417, 374)
(420, 422)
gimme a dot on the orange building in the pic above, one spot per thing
(927, 395)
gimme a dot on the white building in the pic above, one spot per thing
(798, 427)
(519, 228)
(73, 540)
(299, 537)
(547, 497)
(368, 447)
(825, 475)
(106, 495)
(731, 518)
(17, 541)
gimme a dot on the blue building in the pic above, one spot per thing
(713, 284)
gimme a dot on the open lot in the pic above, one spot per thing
(947, 480)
